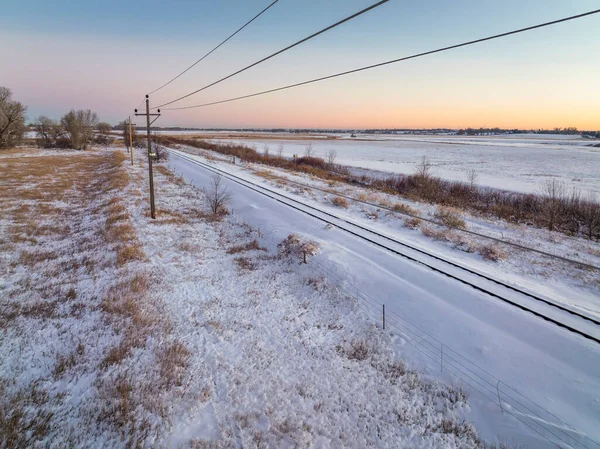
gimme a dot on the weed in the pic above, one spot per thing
(338, 201)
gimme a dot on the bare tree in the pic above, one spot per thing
(472, 178)
(124, 127)
(592, 215)
(423, 168)
(331, 155)
(12, 119)
(280, 150)
(161, 154)
(309, 151)
(266, 151)
(217, 194)
(79, 126)
(552, 192)
(44, 127)
(104, 130)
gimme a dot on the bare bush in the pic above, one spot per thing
(423, 168)
(338, 201)
(280, 151)
(553, 193)
(293, 246)
(450, 217)
(103, 136)
(79, 126)
(412, 223)
(309, 151)
(43, 127)
(331, 156)
(591, 209)
(472, 178)
(493, 253)
(217, 194)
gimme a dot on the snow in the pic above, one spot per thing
(512, 163)
(272, 343)
(547, 364)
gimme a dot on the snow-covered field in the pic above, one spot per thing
(236, 344)
(522, 350)
(121, 331)
(519, 162)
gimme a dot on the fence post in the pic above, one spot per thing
(383, 316)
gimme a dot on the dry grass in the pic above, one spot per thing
(404, 209)
(172, 361)
(493, 253)
(172, 178)
(450, 217)
(443, 235)
(251, 246)
(129, 253)
(244, 263)
(412, 223)
(338, 201)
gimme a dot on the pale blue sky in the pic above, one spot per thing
(106, 55)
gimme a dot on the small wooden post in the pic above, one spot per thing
(383, 316)
(304, 254)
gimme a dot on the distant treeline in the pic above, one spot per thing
(461, 132)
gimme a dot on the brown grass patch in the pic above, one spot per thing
(412, 223)
(120, 233)
(244, 263)
(338, 201)
(404, 209)
(251, 246)
(129, 253)
(31, 258)
(493, 253)
(450, 217)
(172, 361)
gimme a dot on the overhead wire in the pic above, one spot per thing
(393, 61)
(283, 50)
(216, 48)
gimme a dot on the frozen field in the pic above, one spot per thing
(517, 163)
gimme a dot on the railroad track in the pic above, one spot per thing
(432, 261)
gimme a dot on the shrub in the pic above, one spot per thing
(450, 217)
(338, 201)
(412, 223)
(293, 246)
(404, 209)
(217, 195)
(493, 253)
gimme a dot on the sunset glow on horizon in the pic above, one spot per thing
(107, 58)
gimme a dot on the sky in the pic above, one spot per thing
(107, 55)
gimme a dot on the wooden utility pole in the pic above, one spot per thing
(150, 154)
(130, 142)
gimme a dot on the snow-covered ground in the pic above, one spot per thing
(264, 351)
(518, 163)
(195, 339)
(548, 365)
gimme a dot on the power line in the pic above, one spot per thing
(353, 16)
(214, 49)
(393, 61)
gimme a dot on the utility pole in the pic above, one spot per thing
(130, 142)
(150, 154)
